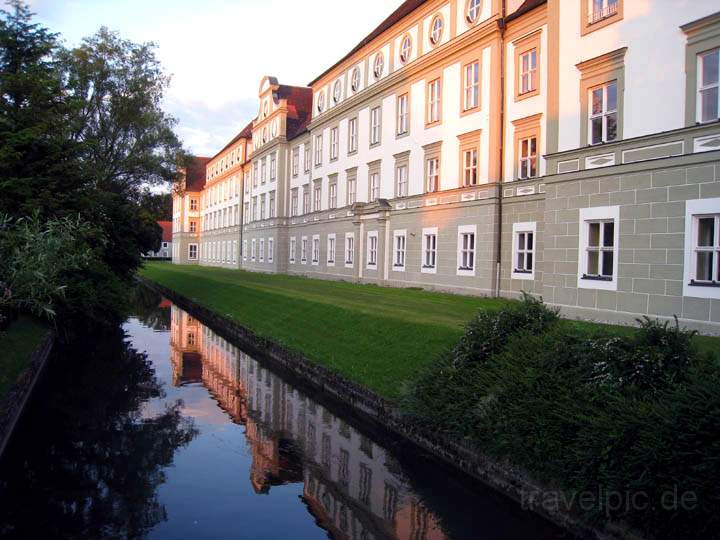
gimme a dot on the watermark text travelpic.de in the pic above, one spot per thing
(608, 501)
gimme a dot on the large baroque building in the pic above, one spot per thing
(569, 149)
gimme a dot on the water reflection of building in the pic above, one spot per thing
(353, 488)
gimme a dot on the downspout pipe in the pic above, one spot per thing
(498, 246)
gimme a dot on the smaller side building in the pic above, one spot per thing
(165, 251)
(186, 230)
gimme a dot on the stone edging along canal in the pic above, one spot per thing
(13, 404)
(369, 406)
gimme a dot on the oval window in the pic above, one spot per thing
(436, 30)
(405, 49)
(378, 65)
(355, 81)
(321, 102)
(473, 10)
(337, 91)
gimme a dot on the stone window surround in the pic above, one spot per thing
(303, 249)
(695, 207)
(190, 252)
(315, 261)
(402, 159)
(523, 45)
(332, 181)
(468, 141)
(596, 72)
(349, 263)
(336, 131)
(369, 265)
(399, 233)
(432, 151)
(292, 249)
(271, 249)
(318, 150)
(350, 175)
(593, 214)
(352, 151)
(702, 35)
(400, 93)
(374, 167)
(465, 229)
(428, 231)
(316, 202)
(523, 227)
(261, 252)
(436, 75)
(523, 128)
(333, 251)
(465, 61)
(375, 106)
(586, 26)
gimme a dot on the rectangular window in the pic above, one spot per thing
(292, 250)
(527, 152)
(352, 135)
(262, 206)
(433, 103)
(296, 161)
(372, 249)
(402, 114)
(273, 167)
(254, 209)
(193, 205)
(192, 252)
(263, 170)
(318, 150)
(470, 167)
(429, 250)
(294, 202)
(331, 249)
(375, 125)
(706, 250)
(271, 204)
(602, 9)
(193, 227)
(271, 249)
(332, 196)
(351, 190)
(603, 113)
(303, 249)
(433, 175)
(261, 253)
(333, 143)
(317, 197)
(349, 249)
(598, 247)
(307, 157)
(708, 86)
(374, 186)
(401, 181)
(528, 71)
(255, 174)
(523, 263)
(399, 240)
(252, 250)
(316, 249)
(244, 250)
(306, 200)
(472, 85)
(466, 250)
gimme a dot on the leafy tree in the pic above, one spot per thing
(159, 205)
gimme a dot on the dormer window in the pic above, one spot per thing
(473, 10)
(337, 91)
(405, 48)
(436, 29)
(355, 79)
(378, 65)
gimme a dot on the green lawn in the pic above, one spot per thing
(17, 344)
(377, 336)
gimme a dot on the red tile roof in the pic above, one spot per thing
(527, 5)
(166, 230)
(299, 105)
(196, 173)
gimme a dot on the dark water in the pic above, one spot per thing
(165, 430)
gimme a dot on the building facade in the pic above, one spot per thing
(490, 147)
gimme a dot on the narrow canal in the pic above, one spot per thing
(165, 430)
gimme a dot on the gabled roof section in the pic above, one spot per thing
(404, 10)
(195, 174)
(245, 133)
(299, 108)
(166, 227)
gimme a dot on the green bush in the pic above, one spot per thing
(636, 415)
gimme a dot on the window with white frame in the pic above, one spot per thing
(337, 91)
(252, 250)
(316, 249)
(351, 189)
(603, 113)
(261, 253)
(378, 65)
(317, 196)
(472, 85)
(598, 247)
(523, 246)
(528, 71)
(402, 114)
(273, 167)
(244, 250)
(263, 170)
(192, 252)
(306, 157)
(709, 85)
(318, 150)
(292, 249)
(294, 202)
(405, 48)
(333, 143)
(349, 249)
(262, 206)
(271, 204)
(296, 161)
(433, 101)
(331, 249)
(429, 250)
(470, 167)
(271, 249)
(433, 175)
(401, 181)
(255, 174)
(375, 125)
(527, 158)
(436, 29)
(399, 242)
(254, 208)
(355, 79)
(466, 250)
(193, 205)
(352, 135)
(306, 199)
(602, 9)
(193, 227)
(702, 248)
(303, 249)
(332, 195)
(374, 186)
(473, 10)
(372, 249)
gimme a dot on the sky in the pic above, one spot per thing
(217, 51)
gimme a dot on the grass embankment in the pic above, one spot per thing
(17, 343)
(376, 336)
